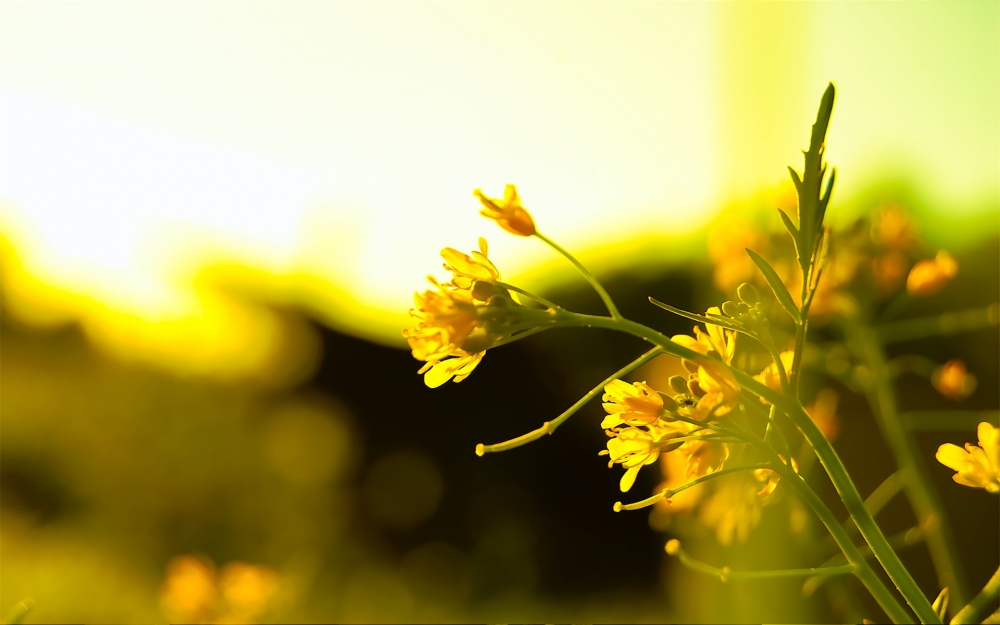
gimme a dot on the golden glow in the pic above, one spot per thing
(332, 147)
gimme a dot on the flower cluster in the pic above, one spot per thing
(449, 334)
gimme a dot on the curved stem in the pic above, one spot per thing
(725, 573)
(537, 298)
(586, 274)
(550, 426)
(986, 596)
(828, 457)
(667, 493)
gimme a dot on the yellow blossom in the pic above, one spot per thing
(721, 391)
(703, 457)
(468, 270)
(930, 276)
(630, 404)
(978, 467)
(634, 448)
(770, 377)
(447, 334)
(507, 212)
(953, 380)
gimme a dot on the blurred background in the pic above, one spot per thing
(213, 217)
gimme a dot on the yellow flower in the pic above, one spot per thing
(445, 320)
(468, 270)
(930, 276)
(719, 388)
(978, 467)
(894, 229)
(507, 212)
(770, 377)
(703, 457)
(953, 380)
(630, 404)
(634, 448)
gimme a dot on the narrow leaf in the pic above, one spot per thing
(795, 178)
(725, 323)
(780, 291)
(822, 119)
(792, 230)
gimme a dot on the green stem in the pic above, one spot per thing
(537, 298)
(667, 493)
(986, 596)
(586, 274)
(828, 457)
(550, 426)
(725, 573)
(939, 325)
(916, 482)
(948, 420)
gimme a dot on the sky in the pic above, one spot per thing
(334, 146)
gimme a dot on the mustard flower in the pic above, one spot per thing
(770, 377)
(445, 319)
(630, 404)
(634, 448)
(468, 270)
(930, 276)
(507, 212)
(978, 467)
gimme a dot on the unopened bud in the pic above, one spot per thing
(747, 293)
(730, 308)
(689, 366)
(695, 389)
(672, 547)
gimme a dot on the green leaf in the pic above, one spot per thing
(795, 178)
(784, 297)
(719, 321)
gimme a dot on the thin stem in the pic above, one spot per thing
(586, 274)
(939, 325)
(725, 573)
(667, 493)
(550, 426)
(828, 457)
(924, 500)
(988, 595)
(537, 298)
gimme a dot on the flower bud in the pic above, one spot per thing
(731, 309)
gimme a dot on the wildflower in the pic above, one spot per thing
(634, 448)
(451, 333)
(978, 467)
(953, 381)
(889, 270)
(930, 276)
(770, 377)
(703, 457)
(468, 270)
(630, 404)
(508, 212)
(721, 391)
